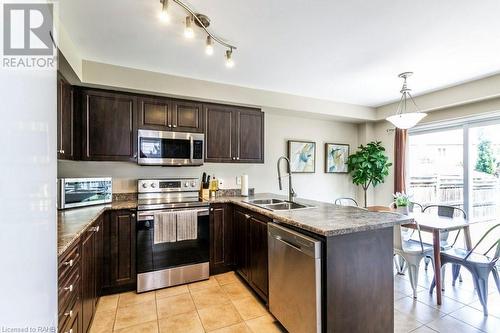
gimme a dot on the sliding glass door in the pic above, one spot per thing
(458, 165)
(436, 167)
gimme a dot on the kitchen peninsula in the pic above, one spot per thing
(356, 271)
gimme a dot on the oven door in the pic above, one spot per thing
(170, 148)
(155, 257)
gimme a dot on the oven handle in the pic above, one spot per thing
(191, 144)
(149, 214)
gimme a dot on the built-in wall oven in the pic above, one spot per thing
(172, 262)
(170, 148)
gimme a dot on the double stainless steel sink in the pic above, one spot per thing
(278, 204)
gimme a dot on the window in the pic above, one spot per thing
(458, 166)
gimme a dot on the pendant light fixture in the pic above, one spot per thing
(202, 21)
(403, 119)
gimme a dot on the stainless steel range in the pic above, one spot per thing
(164, 258)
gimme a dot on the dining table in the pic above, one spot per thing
(435, 225)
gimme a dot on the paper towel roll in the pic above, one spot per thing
(244, 185)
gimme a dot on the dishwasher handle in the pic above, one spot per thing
(298, 241)
(296, 247)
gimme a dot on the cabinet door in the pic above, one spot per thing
(187, 116)
(221, 239)
(258, 255)
(122, 249)
(99, 252)
(241, 242)
(154, 113)
(249, 136)
(88, 279)
(109, 126)
(219, 136)
(65, 120)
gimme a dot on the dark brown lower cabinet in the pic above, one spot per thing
(250, 233)
(257, 230)
(88, 283)
(118, 270)
(221, 238)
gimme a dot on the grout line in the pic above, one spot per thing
(157, 315)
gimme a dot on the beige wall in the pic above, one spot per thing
(123, 78)
(263, 177)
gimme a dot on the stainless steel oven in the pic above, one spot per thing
(165, 264)
(79, 192)
(170, 148)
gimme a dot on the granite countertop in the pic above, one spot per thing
(324, 219)
(72, 223)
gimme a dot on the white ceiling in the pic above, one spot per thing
(348, 51)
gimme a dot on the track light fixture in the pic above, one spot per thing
(229, 58)
(209, 48)
(201, 21)
(164, 14)
(188, 31)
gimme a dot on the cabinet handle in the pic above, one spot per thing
(238, 158)
(70, 288)
(211, 209)
(68, 263)
(169, 125)
(247, 216)
(61, 151)
(233, 158)
(133, 215)
(69, 314)
(174, 126)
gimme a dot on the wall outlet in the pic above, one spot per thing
(221, 184)
(238, 180)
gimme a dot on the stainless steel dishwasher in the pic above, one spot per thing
(294, 279)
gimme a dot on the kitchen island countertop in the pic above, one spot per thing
(325, 219)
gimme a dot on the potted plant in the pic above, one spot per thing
(369, 165)
(402, 202)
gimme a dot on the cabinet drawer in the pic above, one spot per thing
(71, 312)
(72, 325)
(68, 289)
(68, 263)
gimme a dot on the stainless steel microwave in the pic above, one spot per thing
(170, 148)
(79, 192)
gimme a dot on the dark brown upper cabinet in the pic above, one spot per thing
(234, 134)
(164, 114)
(65, 120)
(187, 116)
(109, 126)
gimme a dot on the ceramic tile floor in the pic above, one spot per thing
(224, 304)
(221, 304)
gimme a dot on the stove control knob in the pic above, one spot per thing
(153, 185)
(186, 184)
(193, 184)
(144, 185)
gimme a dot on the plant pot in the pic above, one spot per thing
(405, 210)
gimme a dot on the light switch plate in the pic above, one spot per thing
(238, 180)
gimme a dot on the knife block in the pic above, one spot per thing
(205, 193)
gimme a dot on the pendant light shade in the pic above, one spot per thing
(406, 120)
(403, 119)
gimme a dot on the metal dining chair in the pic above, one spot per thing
(412, 251)
(479, 265)
(407, 234)
(346, 202)
(446, 211)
